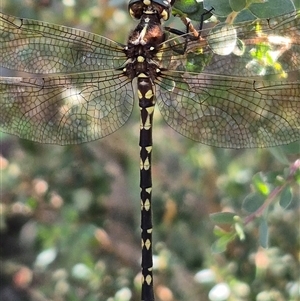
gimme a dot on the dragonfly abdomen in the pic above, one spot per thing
(146, 102)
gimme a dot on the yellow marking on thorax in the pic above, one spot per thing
(149, 94)
(140, 59)
(140, 95)
(142, 75)
(143, 32)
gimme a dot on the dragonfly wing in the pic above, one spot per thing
(42, 48)
(65, 109)
(269, 49)
(230, 113)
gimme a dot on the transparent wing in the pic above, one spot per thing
(269, 49)
(65, 109)
(239, 87)
(231, 113)
(38, 47)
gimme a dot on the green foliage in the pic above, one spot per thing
(286, 197)
(77, 208)
(253, 202)
(250, 9)
(257, 203)
(191, 8)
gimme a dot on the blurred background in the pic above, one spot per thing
(70, 216)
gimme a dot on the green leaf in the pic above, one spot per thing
(274, 178)
(263, 233)
(220, 244)
(223, 217)
(237, 5)
(255, 9)
(244, 16)
(221, 7)
(260, 184)
(219, 232)
(253, 202)
(191, 8)
(272, 8)
(187, 6)
(239, 230)
(286, 197)
(279, 154)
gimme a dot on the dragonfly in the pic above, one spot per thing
(232, 86)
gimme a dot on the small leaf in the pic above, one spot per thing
(192, 9)
(263, 233)
(220, 244)
(187, 6)
(259, 182)
(286, 197)
(253, 202)
(219, 232)
(239, 231)
(222, 217)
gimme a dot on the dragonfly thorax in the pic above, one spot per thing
(143, 45)
(141, 62)
(149, 32)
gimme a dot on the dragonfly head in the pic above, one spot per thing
(138, 8)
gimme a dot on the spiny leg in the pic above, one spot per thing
(191, 32)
